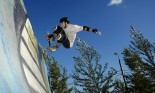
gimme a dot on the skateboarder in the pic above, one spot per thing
(66, 34)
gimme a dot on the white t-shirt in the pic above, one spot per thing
(71, 32)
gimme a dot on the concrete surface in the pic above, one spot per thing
(22, 66)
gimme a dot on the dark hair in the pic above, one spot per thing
(64, 19)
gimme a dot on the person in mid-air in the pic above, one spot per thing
(66, 34)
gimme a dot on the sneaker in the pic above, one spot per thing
(53, 48)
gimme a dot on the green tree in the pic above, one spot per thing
(119, 87)
(139, 57)
(58, 80)
(89, 74)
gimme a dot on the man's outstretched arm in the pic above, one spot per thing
(86, 28)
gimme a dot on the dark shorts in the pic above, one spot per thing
(64, 40)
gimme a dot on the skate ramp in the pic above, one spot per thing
(22, 65)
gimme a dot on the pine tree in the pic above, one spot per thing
(58, 80)
(89, 74)
(119, 87)
(139, 57)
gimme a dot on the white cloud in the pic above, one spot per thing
(115, 2)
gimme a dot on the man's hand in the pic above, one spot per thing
(49, 37)
(96, 32)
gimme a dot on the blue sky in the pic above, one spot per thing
(112, 17)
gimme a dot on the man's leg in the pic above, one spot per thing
(51, 37)
(61, 38)
(66, 43)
